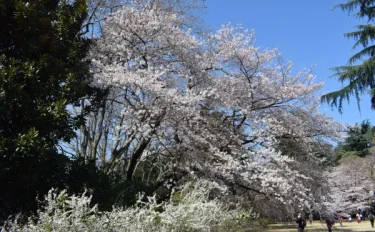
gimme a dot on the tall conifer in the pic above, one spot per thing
(358, 74)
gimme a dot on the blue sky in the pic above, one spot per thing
(307, 32)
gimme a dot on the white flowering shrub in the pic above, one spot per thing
(188, 210)
(61, 212)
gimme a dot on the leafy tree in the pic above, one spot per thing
(358, 74)
(358, 142)
(42, 71)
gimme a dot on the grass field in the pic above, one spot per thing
(319, 226)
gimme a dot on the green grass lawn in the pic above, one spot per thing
(320, 226)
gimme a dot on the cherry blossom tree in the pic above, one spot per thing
(209, 105)
(189, 12)
(350, 184)
(95, 139)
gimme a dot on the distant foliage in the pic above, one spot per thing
(359, 140)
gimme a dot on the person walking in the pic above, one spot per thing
(329, 224)
(340, 220)
(301, 223)
(358, 218)
(371, 217)
(310, 218)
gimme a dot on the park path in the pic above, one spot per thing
(364, 226)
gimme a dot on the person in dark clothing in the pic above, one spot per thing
(329, 224)
(363, 216)
(371, 217)
(301, 223)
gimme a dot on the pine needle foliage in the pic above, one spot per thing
(359, 72)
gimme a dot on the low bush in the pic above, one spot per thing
(189, 210)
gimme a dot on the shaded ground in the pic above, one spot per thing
(364, 226)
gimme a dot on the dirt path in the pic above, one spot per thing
(318, 226)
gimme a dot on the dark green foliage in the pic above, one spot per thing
(359, 138)
(42, 67)
(358, 141)
(290, 147)
(42, 71)
(358, 75)
(104, 188)
(320, 150)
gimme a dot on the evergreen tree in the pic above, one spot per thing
(357, 75)
(42, 71)
(358, 141)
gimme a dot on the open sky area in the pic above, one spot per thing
(307, 32)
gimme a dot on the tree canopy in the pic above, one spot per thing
(358, 142)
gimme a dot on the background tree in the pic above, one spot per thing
(358, 74)
(351, 181)
(359, 141)
(319, 151)
(43, 70)
(350, 184)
